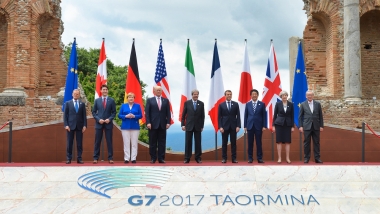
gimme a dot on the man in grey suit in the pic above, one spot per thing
(158, 117)
(75, 122)
(192, 121)
(104, 112)
(310, 120)
(229, 124)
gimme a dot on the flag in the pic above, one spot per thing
(132, 83)
(161, 78)
(216, 90)
(272, 86)
(299, 84)
(189, 83)
(245, 85)
(72, 75)
(101, 74)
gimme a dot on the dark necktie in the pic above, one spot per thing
(229, 105)
(76, 106)
(195, 105)
(104, 103)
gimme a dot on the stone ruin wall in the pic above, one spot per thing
(324, 58)
(32, 65)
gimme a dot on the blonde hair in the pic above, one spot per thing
(131, 94)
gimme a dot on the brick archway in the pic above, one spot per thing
(370, 53)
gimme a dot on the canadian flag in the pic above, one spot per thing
(101, 75)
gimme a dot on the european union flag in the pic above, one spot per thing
(299, 84)
(72, 75)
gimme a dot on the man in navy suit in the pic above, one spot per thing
(229, 124)
(255, 123)
(75, 122)
(192, 121)
(104, 112)
(158, 117)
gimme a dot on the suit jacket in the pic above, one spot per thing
(130, 123)
(71, 118)
(306, 119)
(193, 119)
(255, 119)
(154, 116)
(229, 119)
(99, 112)
(281, 117)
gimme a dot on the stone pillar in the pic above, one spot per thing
(352, 59)
(293, 51)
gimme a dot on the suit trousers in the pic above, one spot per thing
(98, 141)
(189, 144)
(308, 134)
(257, 134)
(70, 141)
(157, 139)
(232, 133)
(130, 137)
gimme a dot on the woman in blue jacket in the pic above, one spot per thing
(130, 114)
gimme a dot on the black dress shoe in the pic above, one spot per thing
(234, 161)
(68, 162)
(152, 161)
(224, 161)
(134, 161)
(186, 161)
(80, 161)
(250, 160)
(260, 161)
(161, 161)
(198, 161)
(126, 161)
(306, 160)
(318, 161)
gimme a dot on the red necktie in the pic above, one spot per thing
(104, 103)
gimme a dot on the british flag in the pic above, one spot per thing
(161, 78)
(272, 86)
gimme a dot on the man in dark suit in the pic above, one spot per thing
(229, 125)
(75, 121)
(310, 120)
(192, 121)
(104, 112)
(158, 117)
(254, 124)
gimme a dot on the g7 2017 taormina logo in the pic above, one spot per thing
(101, 181)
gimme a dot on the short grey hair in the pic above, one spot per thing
(283, 93)
(194, 90)
(309, 91)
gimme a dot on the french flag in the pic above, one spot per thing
(217, 89)
(245, 84)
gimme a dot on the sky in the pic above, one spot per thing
(230, 22)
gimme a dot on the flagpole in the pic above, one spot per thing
(272, 134)
(245, 134)
(75, 141)
(216, 136)
(102, 143)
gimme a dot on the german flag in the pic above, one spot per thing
(132, 83)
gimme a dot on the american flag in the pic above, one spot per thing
(161, 78)
(272, 86)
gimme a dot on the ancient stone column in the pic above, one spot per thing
(352, 61)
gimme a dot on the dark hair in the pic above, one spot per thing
(254, 90)
(227, 91)
(104, 86)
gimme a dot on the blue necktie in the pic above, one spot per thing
(195, 106)
(76, 106)
(229, 106)
(254, 107)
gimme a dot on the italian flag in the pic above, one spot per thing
(189, 83)
(101, 75)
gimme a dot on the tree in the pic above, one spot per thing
(116, 76)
